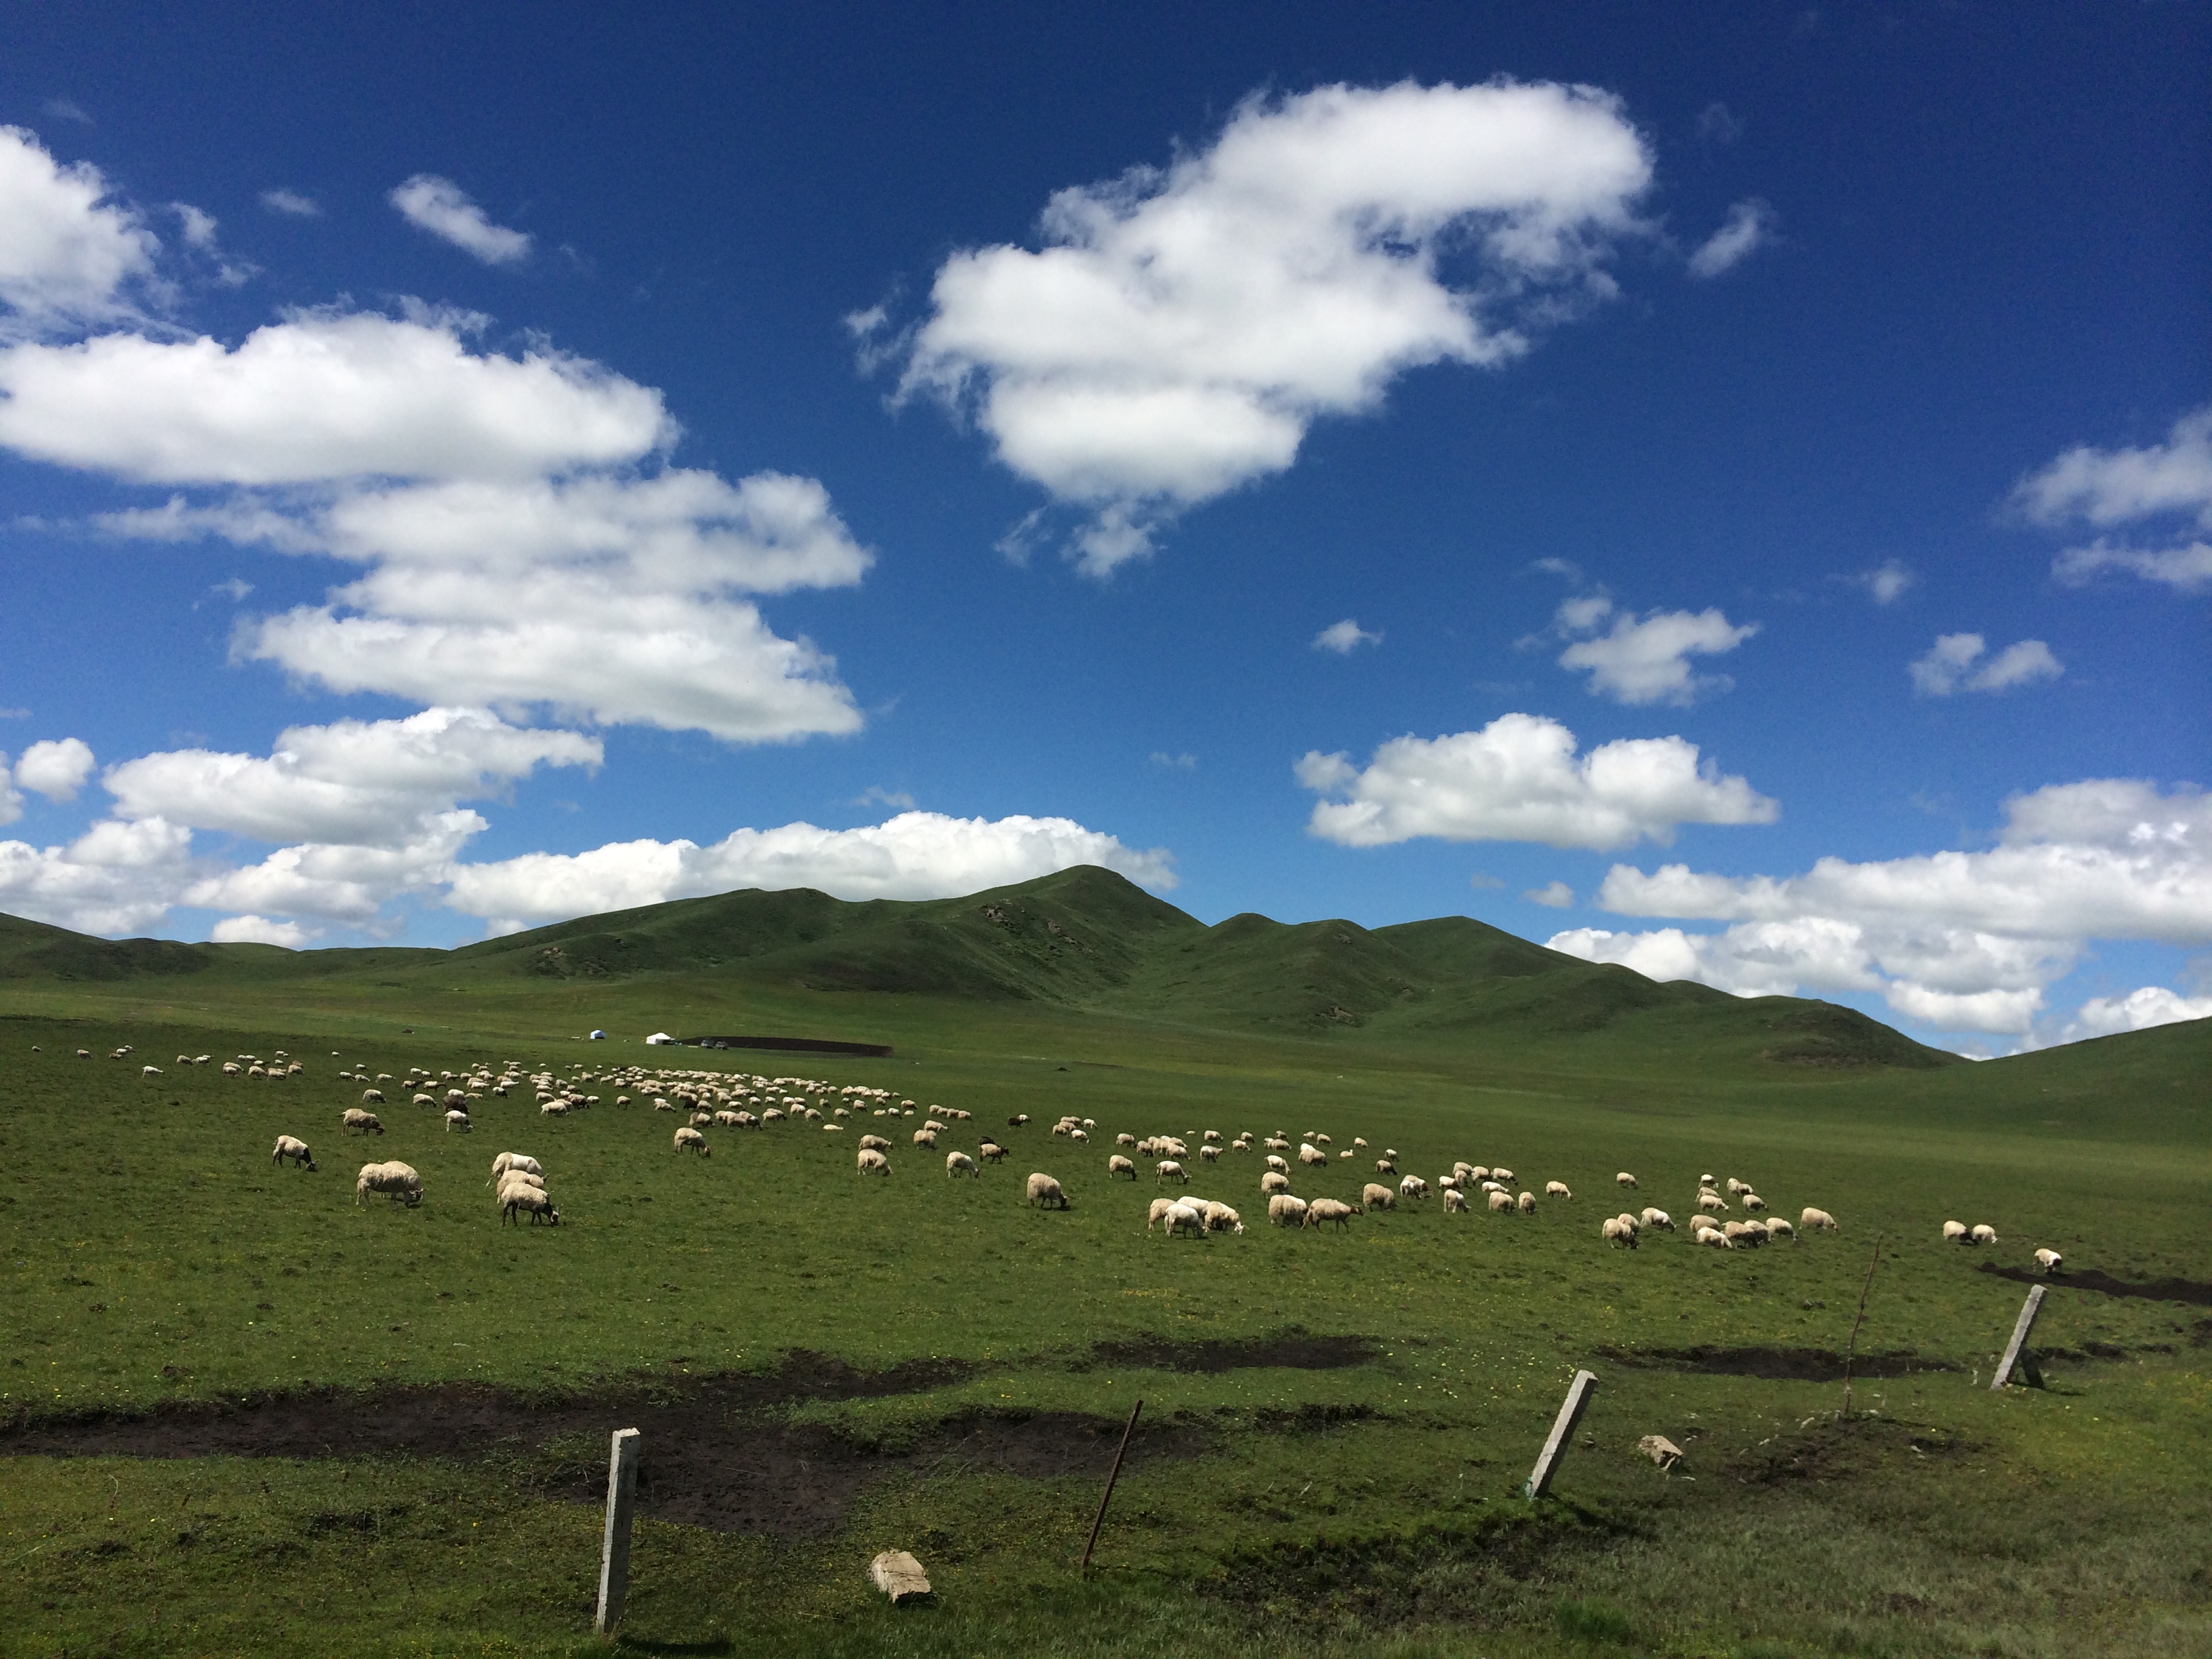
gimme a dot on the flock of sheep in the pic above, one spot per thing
(719, 1100)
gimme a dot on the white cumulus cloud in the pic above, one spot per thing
(260, 930)
(114, 878)
(443, 208)
(2186, 568)
(2106, 487)
(1520, 779)
(914, 855)
(1180, 328)
(1553, 896)
(56, 768)
(1646, 660)
(1961, 940)
(1951, 665)
(2138, 1011)
(1345, 637)
(68, 251)
(1749, 227)
(1888, 582)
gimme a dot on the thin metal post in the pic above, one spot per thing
(2015, 1348)
(1563, 1429)
(1099, 1520)
(614, 1550)
(1851, 1351)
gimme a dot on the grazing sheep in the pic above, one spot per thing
(457, 1119)
(1777, 1228)
(1213, 1134)
(1714, 1237)
(1753, 1202)
(1658, 1218)
(926, 1138)
(366, 1122)
(1017, 1120)
(1310, 1154)
(1984, 1233)
(1736, 1188)
(506, 1161)
(874, 1144)
(1500, 1201)
(1702, 1224)
(1220, 1218)
(1119, 1165)
(1616, 1233)
(1526, 1203)
(1160, 1208)
(519, 1201)
(1322, 1211)
(872, 1162)
(1500, 1173)
(1168, 1170)
(1183, 1217)
(397, 1181)
(1286, 1210)
(960, 1164)
(1455, 1202)
(1625, 1179)
(729, 1120)
(1045, 1192)
(1412, 1187)
(424, 1100)
(1954, 1232)
(2049, 1260)
(690, 1139)
(1557, 1190)
(287, 1146)
(1277, 1163)
(1710, 1199)
(1273, 1142)
(1210, 1154)
(990, 1151)
(368, 1096)
(1275, 1181)
(1359, 1143)
(554, 1108)
(1744, 1232)
(516, 1181)
(1376, 1196)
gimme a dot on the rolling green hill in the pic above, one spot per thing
(1080, 942)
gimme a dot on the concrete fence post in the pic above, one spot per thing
(614, 1550)
(1563, 1429)
(2016, 1349)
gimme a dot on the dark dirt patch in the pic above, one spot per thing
(1293, 1352)
(2195, 1292)
(1777, 1365)
(1833, 1450)
(712, 1457)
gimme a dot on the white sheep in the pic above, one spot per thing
(1168, 1170)
(1616, 1232)
(1455, 1202)
(1276, 1163)
(1500, 1201)
(688, 1140)
(2047, 1260)
(366, 1122)
(368, 1096)
(1714, 1237)
(1557, 1190)
(1658, 1218)
(1711, 1200)
(1386, 1166)
(1501, 1173)
(1412, 1187)
(1310, 1154)
(869, 1161)
(1210, 1154)
(1625, 1179)
(520, 1200)
(1752, 1202)
(1045, 1192)
(1119, 1165)
(1736, 1188)
(926, 1138)
(957, 1164)
(1702, 1223)
(515, 1179)
(396, 1180)
(1526, 1203)
(874, 1144)
(457, 1119)
(1220, 1218)
(1817, 1221)
(506, 1161)
(1183, 1217)
(1984, 1233)
(1286, 1210)
(1954, 1232)
(1777, 1228)
(1274, 1182)
(1376, 1196)
(1323, 1211)
(296, 1149)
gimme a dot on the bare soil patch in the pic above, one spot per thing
(1777, 1365)
(2193, 1291)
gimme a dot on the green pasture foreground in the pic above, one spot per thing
(150, 1253)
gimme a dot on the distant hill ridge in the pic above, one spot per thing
(1084, 939)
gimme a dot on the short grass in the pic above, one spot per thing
(148, 1251)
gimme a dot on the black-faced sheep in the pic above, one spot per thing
(1045, 1192)
(365, 1122)
(688, 1140)
(296, 1150)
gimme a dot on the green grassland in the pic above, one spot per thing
(152, 1260)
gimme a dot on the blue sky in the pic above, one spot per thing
(1725, 493)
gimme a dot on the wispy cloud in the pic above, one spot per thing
(1345, 637)
(1749, 227)
(444, 209)
(291, 201)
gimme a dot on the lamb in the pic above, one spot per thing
(1275, 1181)
(1501, 1201)
(1557, 1190)
(1412, 1187)
(1286, 1210)
(1817, 1221)
(1625, 1179)
(1616, 1232)
(457, 1119)
(1322, 1211)
(1045, 1192)
(355, 1118)
(1658, 1218)
(517, 1161)
(1984, 1233)
(1119, 1165)
(1376, 1196)
(2047, 1260)
(519, 1200)
(1455, 1202)
(396, 1180)
(688, 1138)
(960, 1164)
(1168, 1170)
(1220, 1218)
(872, 1162)
(287, 1146)
(1954, 1232)
(368, 1096)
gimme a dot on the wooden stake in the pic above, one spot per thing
(1563, 1429)
(1114, 1474)
(1851, 1351)
(614, 1549)
(2015, 1349)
